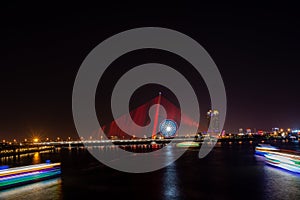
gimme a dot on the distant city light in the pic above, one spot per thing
(296, 131)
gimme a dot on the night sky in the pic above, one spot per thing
(256, 48)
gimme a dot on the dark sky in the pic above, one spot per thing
(256, 48)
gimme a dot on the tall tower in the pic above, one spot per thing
(155, 124)
(213, 121)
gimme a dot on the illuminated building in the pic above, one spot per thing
(296, 131)
(248, 131)
(213, 121)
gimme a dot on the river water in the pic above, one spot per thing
(230, 171)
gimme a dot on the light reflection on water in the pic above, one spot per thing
(280, 183)
(218, 176)
(28, 158)
(170, 178)
(48, 189)
(36, 158)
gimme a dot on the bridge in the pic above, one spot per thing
(113, 141)
(29, 147)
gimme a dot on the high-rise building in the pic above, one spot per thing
(275, 129)
(213, 121)
(248, 131)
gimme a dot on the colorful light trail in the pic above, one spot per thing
(188, 144)
(22, 175)
(285, 161)
(278, 158)
(263, 149)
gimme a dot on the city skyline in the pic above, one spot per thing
(256, 53)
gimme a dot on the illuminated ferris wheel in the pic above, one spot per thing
(168, 128)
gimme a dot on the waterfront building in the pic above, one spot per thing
(213, 121)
